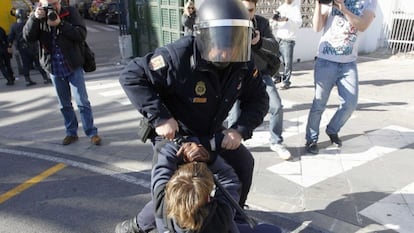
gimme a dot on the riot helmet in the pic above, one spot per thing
(20, 14)
(223, 31)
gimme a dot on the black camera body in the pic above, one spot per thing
(50, 12)
(276, 16)
(325, 1)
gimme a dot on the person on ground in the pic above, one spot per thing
(186, 198)
(188, 87)
(342, 23)
(264, 40)
(61, 32)
(285, 24)
(28, 51)
(188, 18)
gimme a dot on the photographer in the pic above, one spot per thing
(61, 33)
(342, 23)
(264, 48)
(285, 24)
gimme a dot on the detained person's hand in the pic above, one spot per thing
(167, 129)
(232, 139)
(193, 152)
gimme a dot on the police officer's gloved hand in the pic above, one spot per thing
(193, 152)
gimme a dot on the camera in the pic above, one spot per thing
(254, 34)
(276, 16)
(50, 12)
(325, 1)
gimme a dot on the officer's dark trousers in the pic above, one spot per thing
(242, 162)
(28, 58)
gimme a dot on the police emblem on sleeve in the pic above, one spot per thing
(200, 89)
(157, 62)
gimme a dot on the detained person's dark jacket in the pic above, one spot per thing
(70, 33)
(174, 81)
(221, 213)
(267, 44)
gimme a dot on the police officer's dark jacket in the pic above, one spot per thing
(70, 33)
(174, 81)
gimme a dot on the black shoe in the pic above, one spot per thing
(128, 226)
(312, 147)
(277, 79)
(31, 83)
(335, 139)
(10, 83)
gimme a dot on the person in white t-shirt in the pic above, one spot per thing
(342, 22)
(285, 24)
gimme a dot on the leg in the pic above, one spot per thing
(35, 60)
(276, 120)
(6, 69)
(146, 217)
(242, 162)
(288, 54)
(64, 97)
(348, 96)
(77, 83)
(325, 75)
(276, 111)
(27, 63)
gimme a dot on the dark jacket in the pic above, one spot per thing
(70, 35)
(267, 44)
(3, 41)
(174, 81)
(220, 219)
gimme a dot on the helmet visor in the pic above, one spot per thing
(227, 41)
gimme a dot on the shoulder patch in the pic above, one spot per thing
(157, 63)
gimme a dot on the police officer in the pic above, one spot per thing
(28, 50)
(189, 86)
(5, 66)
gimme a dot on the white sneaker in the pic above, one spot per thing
(281, 150)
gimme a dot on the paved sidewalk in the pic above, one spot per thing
(365, 186)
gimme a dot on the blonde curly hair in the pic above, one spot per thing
(187, 192)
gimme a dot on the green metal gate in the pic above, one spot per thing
(154, 23)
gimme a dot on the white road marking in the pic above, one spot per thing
(330, 162)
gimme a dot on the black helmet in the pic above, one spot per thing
(223, 31)
(20, 14)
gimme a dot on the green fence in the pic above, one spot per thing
(154, 23)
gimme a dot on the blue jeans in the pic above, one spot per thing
(275, 110)
(286, 53)
(76, 83)
(327, 75)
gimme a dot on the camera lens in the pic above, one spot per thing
(51, 15)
